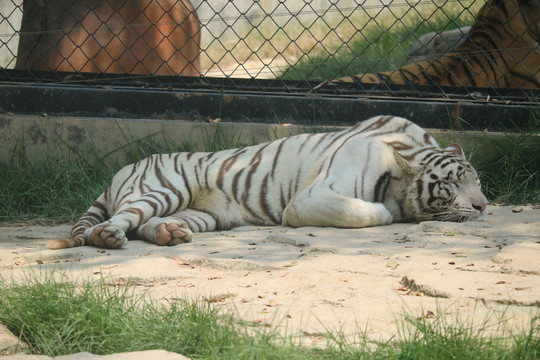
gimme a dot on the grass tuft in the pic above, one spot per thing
(61, 185)
(58, 318)
(50, 188)
(62, 317)
(509, 169)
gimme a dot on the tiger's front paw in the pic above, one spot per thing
(106, 236)
(381, 216)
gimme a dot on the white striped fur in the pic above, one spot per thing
(380, 171)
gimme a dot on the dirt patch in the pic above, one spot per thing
(313, 280)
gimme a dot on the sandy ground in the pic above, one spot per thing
(311, 281)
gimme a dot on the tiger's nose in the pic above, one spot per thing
(480, 206)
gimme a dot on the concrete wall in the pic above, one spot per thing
(118, 140)
(38, 138)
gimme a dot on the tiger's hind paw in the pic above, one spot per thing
(106, 236)
(171, 234)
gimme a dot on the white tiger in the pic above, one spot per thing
(383, 170)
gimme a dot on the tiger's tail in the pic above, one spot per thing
(65, 243)
(96, 214)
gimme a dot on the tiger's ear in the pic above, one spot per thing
(456, 149)
(408, 168)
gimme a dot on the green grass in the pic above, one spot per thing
(66, 180)
(379, 45)
(49, 190)
(58, 186)
(510, 168)
(62, 317)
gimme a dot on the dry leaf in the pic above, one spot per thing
(189, 285)
(211, 120)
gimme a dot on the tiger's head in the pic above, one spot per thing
(443, 186)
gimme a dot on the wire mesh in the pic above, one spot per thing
(471, 48)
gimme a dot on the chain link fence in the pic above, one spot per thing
(470, 48)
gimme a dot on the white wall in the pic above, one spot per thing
(10, 22)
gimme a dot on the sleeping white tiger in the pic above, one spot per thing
(380, 171)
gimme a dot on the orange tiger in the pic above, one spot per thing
(383, 170)
(501, 50)
(160, 37)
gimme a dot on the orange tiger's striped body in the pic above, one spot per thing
(502, 50)
(160, 37)
(383, 170)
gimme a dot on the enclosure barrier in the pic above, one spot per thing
(381, 54)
